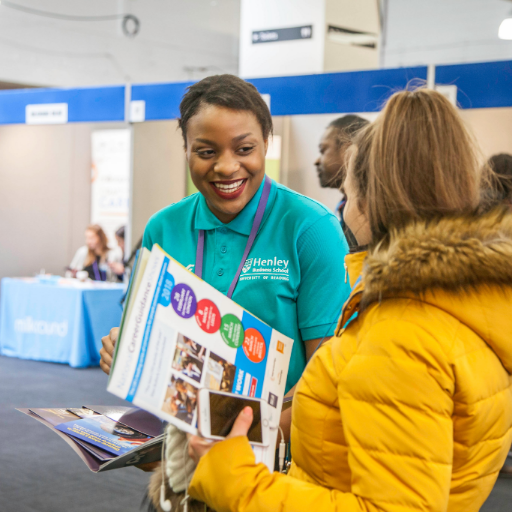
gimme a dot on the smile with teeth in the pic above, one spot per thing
(228, 188)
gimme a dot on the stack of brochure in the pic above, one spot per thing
(106, 437)
(179, 334)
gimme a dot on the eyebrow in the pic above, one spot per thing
(236, 139)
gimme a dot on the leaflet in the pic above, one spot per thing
(180, 334)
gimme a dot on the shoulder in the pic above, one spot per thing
(410, 329)
(173, 212)
(304, 211)
(301, 204)
(81, 253)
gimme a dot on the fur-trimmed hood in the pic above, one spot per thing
(462, 265)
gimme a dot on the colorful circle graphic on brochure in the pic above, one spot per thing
(232, 331)
(208, 316)
(183, 300)
(254, 345)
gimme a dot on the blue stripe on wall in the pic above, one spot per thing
(355, 91)
(162, 100)
(94, 104)
(481, 85)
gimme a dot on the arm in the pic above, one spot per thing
(322, 291)
(397, 422)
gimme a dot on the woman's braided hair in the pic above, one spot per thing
(226, 91)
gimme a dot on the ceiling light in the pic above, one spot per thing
(505, 30)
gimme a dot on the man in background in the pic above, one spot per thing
(331, 161)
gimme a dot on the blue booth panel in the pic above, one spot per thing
(162, 100)
(85, 105)
(356, 91)
(331, 93)
(481, 85)
(59, 323)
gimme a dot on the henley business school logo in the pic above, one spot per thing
(247, 266)
(265, 269)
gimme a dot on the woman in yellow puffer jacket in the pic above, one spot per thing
(409, 406)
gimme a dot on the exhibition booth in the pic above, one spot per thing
(114, 156)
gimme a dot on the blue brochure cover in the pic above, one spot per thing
(104, 433)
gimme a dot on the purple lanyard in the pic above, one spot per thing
(97, 272)
(262, 205)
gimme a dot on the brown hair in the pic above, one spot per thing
(104, 248)
(416, 161)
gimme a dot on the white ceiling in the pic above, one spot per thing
(445, 31)
(189, 39)
(175, 35)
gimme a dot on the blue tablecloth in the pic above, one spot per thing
(60, 322)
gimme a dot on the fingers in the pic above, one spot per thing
(105, 367)
(198, 446)
(114, 333)
(149, 466)
(107, 351)
(242, 423)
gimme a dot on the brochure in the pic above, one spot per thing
(144, 430)
(179, 334)
(100, 431)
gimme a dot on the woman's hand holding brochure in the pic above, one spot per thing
(107, 352)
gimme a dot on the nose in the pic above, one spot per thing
(226, 165)
(317, 162)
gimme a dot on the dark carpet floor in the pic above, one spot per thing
(40, 473)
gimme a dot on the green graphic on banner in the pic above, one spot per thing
(232, 331)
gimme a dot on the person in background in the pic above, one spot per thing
(117, 266)
(409, 406)
(330, 164)
(500, 191)
(95, 256)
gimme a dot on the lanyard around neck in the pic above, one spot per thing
(262, 205)
(97, 271)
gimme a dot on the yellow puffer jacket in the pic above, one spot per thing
(410, 406)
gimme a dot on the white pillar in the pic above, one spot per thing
(295, 37)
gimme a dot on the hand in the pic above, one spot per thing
(117, 268)
(149, 467)
(199, 446)
(107, 352)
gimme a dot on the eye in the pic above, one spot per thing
(245, 150)
(205, 153)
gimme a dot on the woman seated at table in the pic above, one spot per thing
(95, 256)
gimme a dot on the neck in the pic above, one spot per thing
(225, 218)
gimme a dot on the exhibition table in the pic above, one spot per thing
(61, 320)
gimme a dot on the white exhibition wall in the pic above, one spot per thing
(45, 195)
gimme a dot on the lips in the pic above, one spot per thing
(229, 189)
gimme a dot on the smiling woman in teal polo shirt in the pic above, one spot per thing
(292, 278)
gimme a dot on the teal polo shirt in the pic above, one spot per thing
(293, 278)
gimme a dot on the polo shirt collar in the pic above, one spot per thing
(242, 223)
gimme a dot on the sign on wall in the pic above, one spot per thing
(110, 175)
(282, 34)
(46, 113)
